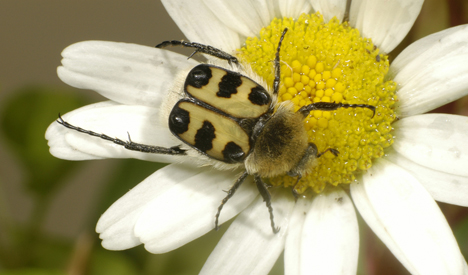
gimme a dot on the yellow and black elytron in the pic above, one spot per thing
(230, 118)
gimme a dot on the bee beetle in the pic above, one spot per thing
(230, 118)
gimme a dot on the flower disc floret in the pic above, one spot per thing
(329, 62)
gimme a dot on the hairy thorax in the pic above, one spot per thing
(280, 146)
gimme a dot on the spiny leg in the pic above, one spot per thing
(333, 151)
(230, 193)
(293, 188)
(311, 150)
(263, 189)
(276, 82)
(130, 145)
(331, 106)
(200, 48)
(297, 172)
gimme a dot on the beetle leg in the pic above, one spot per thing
(331, 106)
(200, 48)
(130, 145)
(333, 151)
(262, 188)
(293, 188)
(230, 193)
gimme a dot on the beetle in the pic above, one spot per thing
(231, 119)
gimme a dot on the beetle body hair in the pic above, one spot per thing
(281, 145)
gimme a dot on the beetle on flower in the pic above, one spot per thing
(394, 169)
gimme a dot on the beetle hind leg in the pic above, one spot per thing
(263, 189)
(130, 145)
(230, 193)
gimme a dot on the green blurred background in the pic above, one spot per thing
(49, 207)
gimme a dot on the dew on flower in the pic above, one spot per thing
(330, 62)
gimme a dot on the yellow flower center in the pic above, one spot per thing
(329, 62)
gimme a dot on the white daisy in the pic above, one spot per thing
(395, 196)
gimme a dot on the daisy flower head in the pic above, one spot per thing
(369, 145)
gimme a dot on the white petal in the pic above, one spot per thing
(405, 217)
(294, 8)
(199, 24)
(267, 10)
(432, 71)
(442, 186)
(432, 48)
(161, 204)
(126, 73)
(436, 141)
(433, 85)
(56, 133)
(116, 225)
(187, 211)
(273, 9)
(330, 237)
(58, 146)
(386, 22)
(143, 124)
(292, 248)
(249, 245)
(330, 8)
(241, 15)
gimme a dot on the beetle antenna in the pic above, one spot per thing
(276, 82)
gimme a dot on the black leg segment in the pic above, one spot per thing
(293, 188)
(230, 193)
(200, 48)
(311, 153)
(333, 151)
(263, 189)
(331, 106)
(130, 145)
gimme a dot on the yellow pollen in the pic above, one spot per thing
(329, 62)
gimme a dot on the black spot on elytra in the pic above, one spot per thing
(228, 84)
(179, 120)
(259, 96)
(199, 76)
(205, 136)
(233, 153)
